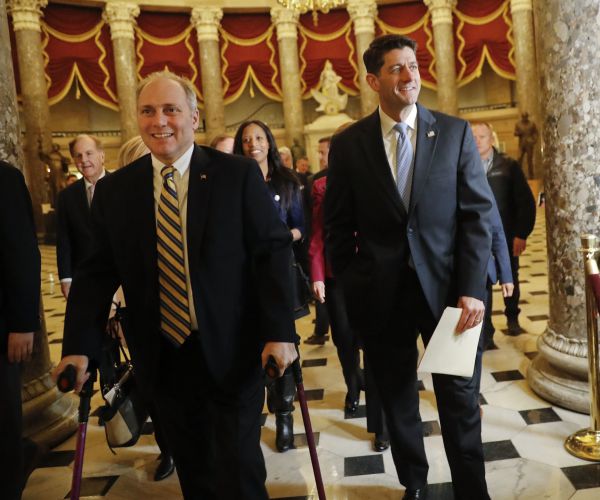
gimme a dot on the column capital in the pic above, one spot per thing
(121, 18)
(520, 6)
(441, 11)
(26, 14)
(286, 22)
(207, 20)
(363, 13)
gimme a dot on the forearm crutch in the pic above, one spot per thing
(66, 383)
(272, 372)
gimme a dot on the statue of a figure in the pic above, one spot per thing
(330, 100)
(59, 167)
(527, 133)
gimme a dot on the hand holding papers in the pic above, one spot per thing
(448, 352)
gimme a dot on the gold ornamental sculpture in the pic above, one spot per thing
(303, 6)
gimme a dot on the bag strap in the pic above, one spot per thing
(113, 329)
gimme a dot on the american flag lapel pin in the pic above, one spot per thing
(431, 133)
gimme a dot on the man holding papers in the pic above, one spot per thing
(407, 214)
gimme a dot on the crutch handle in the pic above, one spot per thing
(67, 378)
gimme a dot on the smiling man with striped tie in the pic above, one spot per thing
(203, 258)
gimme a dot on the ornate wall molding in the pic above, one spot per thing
(121, 18)
(286, 22)
(207, 20)
(26, 14)
(441, 11)
(363, 14)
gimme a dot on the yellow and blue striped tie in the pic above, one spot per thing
(175, 321)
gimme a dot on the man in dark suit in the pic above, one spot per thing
(19, 318)
(516, 205)
(193, 237)
(407, 214)
(73, 223)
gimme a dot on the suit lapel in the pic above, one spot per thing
(379, 165)
(199, 184)
(427, 136)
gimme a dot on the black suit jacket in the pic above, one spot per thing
(239, 258)
(514, 198)
(370, 235)
(73, 228)
(19, 258)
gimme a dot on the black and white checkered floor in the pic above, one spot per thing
(523, 434)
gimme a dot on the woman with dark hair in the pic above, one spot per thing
(255, 140)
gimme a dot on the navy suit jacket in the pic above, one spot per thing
(499, 263)
(370, 235)
(19, 258)
(239, 259)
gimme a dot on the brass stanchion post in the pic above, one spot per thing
(586, 442)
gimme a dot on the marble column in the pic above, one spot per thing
(121, 18)
(206, 20)
(286, 23)
(445, 62)
(49, 417)
(570, 114)
(26, 16)
(363, 13)
(526, 67)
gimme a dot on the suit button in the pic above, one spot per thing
(410, 230)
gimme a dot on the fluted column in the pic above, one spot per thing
(49, 417)
(526, 67)
(121, 18)
(26, 16)
(363, 13)
(206, 20)
(445, 65)
(571, 107)
(286, 23)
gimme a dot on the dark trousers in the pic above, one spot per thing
(511, 304)
(487, 330)
(321, 319)
(213, 433)
(348, 345)
(344, 337)
(392, 355)
(11, 427)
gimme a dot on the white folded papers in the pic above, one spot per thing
(449, 352)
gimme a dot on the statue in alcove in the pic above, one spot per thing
(527, 132)
(328, 95)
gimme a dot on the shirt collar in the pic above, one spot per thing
(88, 184)
(181, 164)
(387, 123)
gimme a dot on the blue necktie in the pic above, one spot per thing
(404, 154)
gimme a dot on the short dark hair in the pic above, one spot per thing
(380, 46)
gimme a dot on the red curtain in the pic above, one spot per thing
(78, 50)
(412, 20)
(483, 31)
(167, 40)
(331, 38)
(249, 56)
